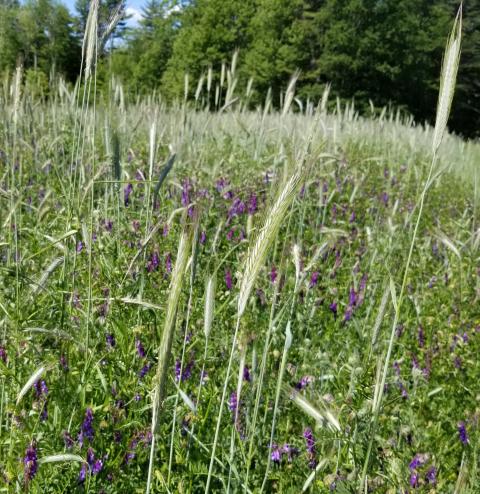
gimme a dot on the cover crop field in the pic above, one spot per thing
(235, 301)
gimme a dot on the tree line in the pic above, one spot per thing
(388, 52)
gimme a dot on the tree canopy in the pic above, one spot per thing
(385, 51)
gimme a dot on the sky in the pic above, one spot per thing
(134, 8)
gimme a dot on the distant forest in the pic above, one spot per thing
(385, 52)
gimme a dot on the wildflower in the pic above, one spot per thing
(308, 435)
(304, 382)
(144, 370)
(110, 340)
(252, 204)
(246, 374)
(108, 225)
(203, 237)
(186, 372)
(273, 274)
(462, 433)
(97, 466)
(186, 193)
(3, 354)
(40, 388)
(432, 475)
(168, 263)
(333, 308)
(154, 262)
(233, 403)
(87, 430)
(30, 465)
(421, 337)
(314, 279)
(126, 193)
(414, 477)
(276, 454)
(68, 440)
(228, 279)
(236, 209)
(79, 246)
(289, 451)
(83, 473)
(140, 350)
(63, 363)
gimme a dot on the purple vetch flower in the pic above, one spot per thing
(186, 372)
(144, 370)
(273, 274)
(228, 279)
(126, 194)
(304, 382)
(431, 475)
(352, 298)
(384, 199)
(30, 465)
(140, 350)
(352, 217)
(154, 262)
(230, 234)
(246, 374)
(432, 281)
(421, 337)
(64, 363)
(41, 389)
(414, 479)
(333, 308)
(314, 279)
(276, 454)
(97, 466)
(252, 204)
(68, 440)
(108, 225)
(87, 430)
(90, 457)
(79, 247)
(203, 237)
(233, 403)
(110, 340)
(220, 184)
(83, 473)
(289, 451)
(3, 354)
(236, 209)
(186, 192)
(462, 433)
(396, 367)
(309, 439)
(168, 263)
(348, 313)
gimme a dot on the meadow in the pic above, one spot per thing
(235, 300)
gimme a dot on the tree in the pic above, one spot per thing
(209, 33)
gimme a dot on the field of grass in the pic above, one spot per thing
(232, 282)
